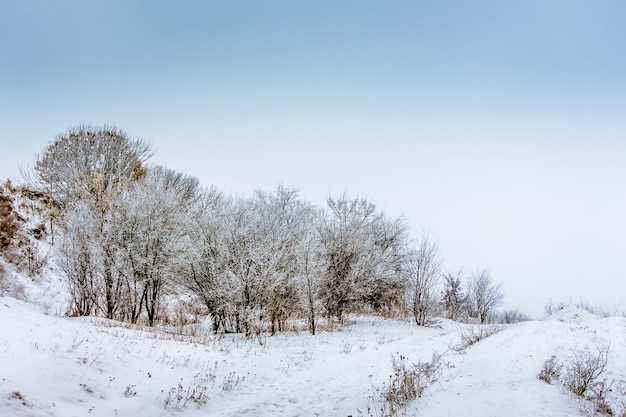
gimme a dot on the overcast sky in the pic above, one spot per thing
(498, 127)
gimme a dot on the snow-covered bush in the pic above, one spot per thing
(407, 383)
(584, 376)
(582, 373)
(177, 398)
(551, 370)
(475, 334)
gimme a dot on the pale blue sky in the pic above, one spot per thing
(498, 127)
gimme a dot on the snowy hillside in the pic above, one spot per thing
(60, 366)
(27, 270)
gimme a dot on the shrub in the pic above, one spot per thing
(475, 334)
(406, 384)
(583, 373)
(178, 397)
(551, 370)
(583, 377)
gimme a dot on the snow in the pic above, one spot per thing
(61, 366)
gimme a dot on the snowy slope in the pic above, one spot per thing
(59, 366)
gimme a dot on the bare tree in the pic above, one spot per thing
(483, 295)
(424, 267)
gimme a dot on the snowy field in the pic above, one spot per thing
(61, 366)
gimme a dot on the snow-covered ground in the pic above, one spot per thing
(60, 366)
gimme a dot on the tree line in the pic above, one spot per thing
(129, 233)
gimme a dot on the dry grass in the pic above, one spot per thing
(407, 383)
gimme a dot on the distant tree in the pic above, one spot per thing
(512, 316)
(424, 268)
(483, 295)
(453, 300)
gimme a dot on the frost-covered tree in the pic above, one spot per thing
(360, 252)
(148, 226)
(90, 162)
(311, 266)
(226, 262)
(483, 295)
(86, 253)
(424, 269)
(244, 258)
(89, 166)
(80, 260)
(203, 270)
(389, 251)
(255, 262)
(284, 222)
(344, 239)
